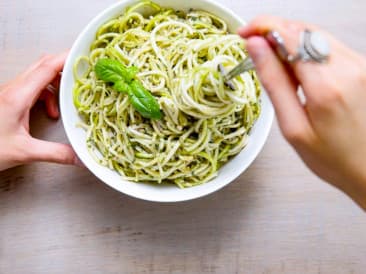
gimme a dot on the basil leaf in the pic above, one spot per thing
(132, 71)
(143, 101)
(110, 70)
(121, 86)
(113, 71)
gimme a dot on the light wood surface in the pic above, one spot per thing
(276, 218)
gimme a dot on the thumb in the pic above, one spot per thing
(53, 152)
(281, 88)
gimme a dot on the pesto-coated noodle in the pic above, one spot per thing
(204, 123)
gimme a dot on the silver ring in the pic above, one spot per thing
(313, 47)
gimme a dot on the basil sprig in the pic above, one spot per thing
(123, 80)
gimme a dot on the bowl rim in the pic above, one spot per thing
(121, 5)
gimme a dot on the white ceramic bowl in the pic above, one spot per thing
(152, 192)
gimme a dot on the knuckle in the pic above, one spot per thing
(7, 98)
(331, 95)
(295, 135)
(23, 158)
(24, 152)
(263, 20)
(18, 152)
(334, 96)
(46, 63)
(293, 27)
(46, 57)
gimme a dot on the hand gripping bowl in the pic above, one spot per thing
(154, 192)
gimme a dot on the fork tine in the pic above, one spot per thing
(243, 66)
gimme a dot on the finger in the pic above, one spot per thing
(50, 97)
(52, 152)
(43, 95)
(289, 30)
(39, 62)
(51, 103)
(31, 83)
(56, 82)
(306, 72)
(281, 89)
(261, 25)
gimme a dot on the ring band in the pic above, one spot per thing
(313, 47)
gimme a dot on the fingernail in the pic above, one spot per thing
(78, 162)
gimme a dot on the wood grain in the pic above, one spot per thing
(276, 218)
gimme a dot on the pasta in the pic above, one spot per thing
(204, 123)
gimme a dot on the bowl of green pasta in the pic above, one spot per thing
(145, 107)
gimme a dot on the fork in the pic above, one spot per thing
(276, 42)
(245, 65)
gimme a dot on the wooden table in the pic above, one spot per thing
(276, 218)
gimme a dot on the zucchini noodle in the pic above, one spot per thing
(204, 122)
